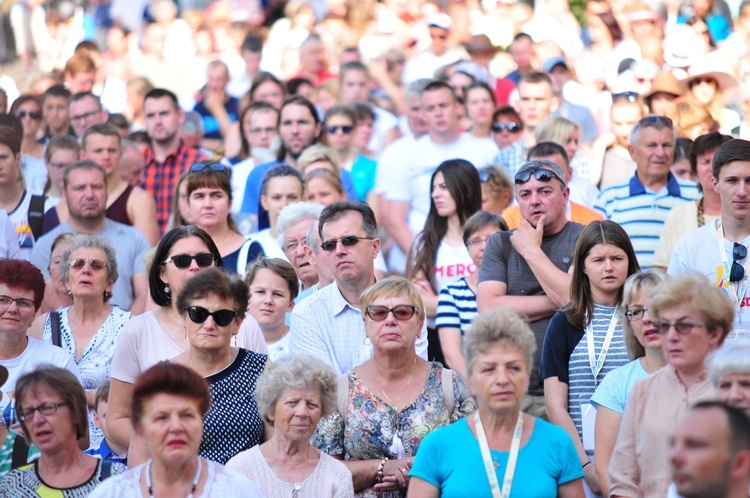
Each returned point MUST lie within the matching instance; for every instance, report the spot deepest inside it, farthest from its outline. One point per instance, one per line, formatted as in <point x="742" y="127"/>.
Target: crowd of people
<point x="378" y="249"/>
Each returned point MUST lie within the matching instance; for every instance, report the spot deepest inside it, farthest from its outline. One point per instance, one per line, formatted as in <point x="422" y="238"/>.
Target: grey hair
<point x="499" y="326"/>
<point x="295" y="371"/>
<point x="416" y="89"/>
<point x="95" y="242"/>
<point x="659" y="124"/>
<point x="294" y="213"/>
<point x="130" y="145"/>
<point x="313" y="239"/>
<point x="193" y="124"/>
<point x="637" y="282"/>
<point x="731" y="358"/>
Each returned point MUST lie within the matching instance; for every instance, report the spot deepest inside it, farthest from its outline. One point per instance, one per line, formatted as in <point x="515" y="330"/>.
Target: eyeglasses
<point x="477" y="241"/>
<point x="36" y="116"/>
<point x="682" y="328"/>
<point x="204" y="260"/>
<point x="541" y="174"/>
<point x="44" y="409"/>
<point x="629" y="96"/>
<point x="510" y="126"/>
<point x="335" y="129"/>
<point x="635" y="314"/>
<point x="214" y="166"/>
<point x="348" y="241"/>
<point x="737" y="271"/>
<point x="22" y="304"/>
<point x="402" y="312"/>
<point x="655" y="120"/>
<point x="95" y="264"/>
<point x="222" y="318"/>
<point x="84" y="117"/>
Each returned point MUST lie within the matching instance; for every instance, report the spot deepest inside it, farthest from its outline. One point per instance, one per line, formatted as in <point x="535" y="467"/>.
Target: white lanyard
<point x="489" y="467"/>
<point x="737" y="295"/>
<point x="598" y="363"/>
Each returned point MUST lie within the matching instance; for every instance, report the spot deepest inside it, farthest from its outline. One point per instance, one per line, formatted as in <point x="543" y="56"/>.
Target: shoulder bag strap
<point x="36" y="215"/>
<point x="448" y="394"/>
<point x="20" y="452"/>
<point x="507" y="246"/>
<point x="242" y="256"/>
<point x="54" y="321"/>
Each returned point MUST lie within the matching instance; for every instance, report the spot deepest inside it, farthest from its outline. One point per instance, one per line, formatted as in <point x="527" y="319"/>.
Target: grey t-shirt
<point x="521" y="281"/>
<point x="130" y="248"/>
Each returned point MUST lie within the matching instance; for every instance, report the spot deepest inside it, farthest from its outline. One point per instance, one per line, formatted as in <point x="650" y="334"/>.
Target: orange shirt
<point x="578" y="213"/>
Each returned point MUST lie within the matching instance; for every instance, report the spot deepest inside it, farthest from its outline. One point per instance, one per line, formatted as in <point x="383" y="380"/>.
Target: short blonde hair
<point x="641" y="281"/>
<point x="318" y="152"/>
<point x="295" y="371"/>
<point x="694" y="292"/>
<point x="391" y="287"/>
<point x="499" y="326"/>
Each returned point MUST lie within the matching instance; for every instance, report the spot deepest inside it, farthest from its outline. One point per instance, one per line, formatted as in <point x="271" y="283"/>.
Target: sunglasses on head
<point x="541" y="174"/>
<point x="737" y="272"/>
<point x="629" y="96"/>
<point x="36" y="116"/>
<point x="655" y="120"/>
<point x="204" y="260"/>
<point x="214" y="166"/>
<point x="332" y="130"/>
<point x="95" y="264"/>
<point x="402" y="312"/>
<point x="511" y="126"/>
<point x="351" y="240"/>
<point x="222" y="318"/>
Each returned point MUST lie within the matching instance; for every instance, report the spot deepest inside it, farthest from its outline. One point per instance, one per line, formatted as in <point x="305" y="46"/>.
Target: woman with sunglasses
<point x="589" y="326"/>
<point x="709" y="88"/>
<point x="212" y="305"/>
<point x="404" y="395"/>
<point x="340" y="125"/>
<point x="209" y="198"/>
<point x="88" y="329"/>
<point x="28" y="110"/>
<point x="159" y="335"/>
<point x="506" y="127"/>
<point x="479" y="102"/>
<point x="693" y="318"/>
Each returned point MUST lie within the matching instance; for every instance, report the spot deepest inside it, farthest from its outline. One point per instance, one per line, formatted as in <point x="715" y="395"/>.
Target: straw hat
<point x="665" y="82"/>
<point x="705" y="69"/>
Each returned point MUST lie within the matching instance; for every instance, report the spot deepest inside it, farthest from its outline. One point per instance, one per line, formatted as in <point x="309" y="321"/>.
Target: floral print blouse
<point x="373" y="429"/>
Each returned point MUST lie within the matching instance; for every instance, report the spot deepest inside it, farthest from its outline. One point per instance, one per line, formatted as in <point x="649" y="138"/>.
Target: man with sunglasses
<point x="698" y="251"/>
<point x="642" y="204"/>
<point x="329" y="324"/>
<point x="85" y="192"/>
<point x="526" y="270"/>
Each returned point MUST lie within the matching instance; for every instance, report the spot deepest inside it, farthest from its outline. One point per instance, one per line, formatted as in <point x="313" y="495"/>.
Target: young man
<point x="55" y="103"/>
<point x="217" y="108"/>
<point x="85" y="110"/>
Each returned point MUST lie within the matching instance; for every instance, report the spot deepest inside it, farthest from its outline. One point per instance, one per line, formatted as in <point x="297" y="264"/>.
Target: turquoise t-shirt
<point x="450" y="459"/>
<point x="363" y="174"/>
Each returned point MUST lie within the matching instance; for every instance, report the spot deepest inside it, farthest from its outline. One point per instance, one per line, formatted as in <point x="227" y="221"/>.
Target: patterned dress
<point x="372" y="429"/>
<point x="25" y="482"/>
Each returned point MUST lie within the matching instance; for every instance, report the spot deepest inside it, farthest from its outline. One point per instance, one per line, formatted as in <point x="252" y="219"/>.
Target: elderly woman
<point x="159" y="335"/>
<point x="499" y="442"/>
<point x="644" y="349"/>
<point x="295" y="392"/>
<point x="730" y="374"/>
<point x="389" y="403"/>
<point x="169" y="403"/>
<point x="213" y="307"/>
<point x="88" y="329"/>
<point x="693" y="317"/>
<point x="21" y="293"/>
<point x="51" y="407"/>
<point x="58" y="296"/>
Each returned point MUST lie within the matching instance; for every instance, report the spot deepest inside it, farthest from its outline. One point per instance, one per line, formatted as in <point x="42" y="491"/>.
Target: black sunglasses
<point x="214" y="166"/>
<point x="351" y="240"/>
<point x="344" y="129"/>
<point x="541" y="174"/>
<point x="629" y="96"/>
<point x="36" y="116"/>
<point x="511" y="126"/>
<point x="204" y="260"/>
<point x="222" y="318"/>
<point x="737" y="272"/>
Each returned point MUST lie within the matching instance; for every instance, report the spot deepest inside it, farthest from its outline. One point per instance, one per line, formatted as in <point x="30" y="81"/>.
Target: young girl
<point x="282" y="185"/>
<point x="274" y="286"/>
<point x="587" y="327"/>
<point x="438" y="256"/>
<point x="28" y="110"/>
<point x="322" y="186"/>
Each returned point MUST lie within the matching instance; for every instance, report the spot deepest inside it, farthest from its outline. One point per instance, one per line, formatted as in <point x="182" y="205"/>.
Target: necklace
<point x="192" y="490"/>
<point x="380" y="384"/>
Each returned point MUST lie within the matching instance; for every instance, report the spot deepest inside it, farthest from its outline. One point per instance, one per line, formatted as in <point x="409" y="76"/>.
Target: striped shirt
<point x="457" y="306"/>
<point x="642" y="212"/>
<point x="512" y="156"/>
<point x="161" y="178"/>
<point x="6" y="454"/>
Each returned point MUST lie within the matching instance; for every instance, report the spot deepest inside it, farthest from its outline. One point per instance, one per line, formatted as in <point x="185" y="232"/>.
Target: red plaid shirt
<point x="161" y="179"/>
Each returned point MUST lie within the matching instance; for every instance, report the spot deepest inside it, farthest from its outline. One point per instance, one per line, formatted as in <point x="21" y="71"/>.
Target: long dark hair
<point x="462" y="180"/>
<point x="580" y="309"/>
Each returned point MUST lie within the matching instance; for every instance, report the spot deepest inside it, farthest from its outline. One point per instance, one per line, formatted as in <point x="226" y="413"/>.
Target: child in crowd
<point x="108" y="449"/>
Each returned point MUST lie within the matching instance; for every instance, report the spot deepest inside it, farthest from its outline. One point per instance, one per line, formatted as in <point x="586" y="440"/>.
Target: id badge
<point x="588" y="422"/>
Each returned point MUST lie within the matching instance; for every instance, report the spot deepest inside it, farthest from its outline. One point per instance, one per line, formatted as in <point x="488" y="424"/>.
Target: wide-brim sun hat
<point x="665" y="82"/>
<point x="683" y="46"/>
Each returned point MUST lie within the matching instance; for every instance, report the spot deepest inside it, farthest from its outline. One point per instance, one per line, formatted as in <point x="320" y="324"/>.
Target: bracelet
<point x="379" y="476"/>
<point x="584" y="465"/>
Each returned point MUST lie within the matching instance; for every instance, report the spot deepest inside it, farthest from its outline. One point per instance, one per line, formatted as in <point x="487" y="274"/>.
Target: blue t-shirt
<point x="363" y="173"/>
<point x="545" y="462"/>
<point x="210" y="123"/>
<point x="615" y="388"/>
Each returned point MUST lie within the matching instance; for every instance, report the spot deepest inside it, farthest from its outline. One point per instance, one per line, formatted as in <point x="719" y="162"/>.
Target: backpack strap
<point x="20" y="452"/>
<point x="448" y="394"/>
<point x="106" y="470"/>
<point x="54" y="321"/>
<point x="243" y="255"/>
<point x="507" y="246"/>
<point x="343" y="394"/>
<point x="36" y="215"/>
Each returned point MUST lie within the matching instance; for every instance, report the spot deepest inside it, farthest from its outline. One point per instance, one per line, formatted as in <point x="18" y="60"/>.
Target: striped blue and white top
<point x="642" y="212"/>
<point x="457" y="306"/>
